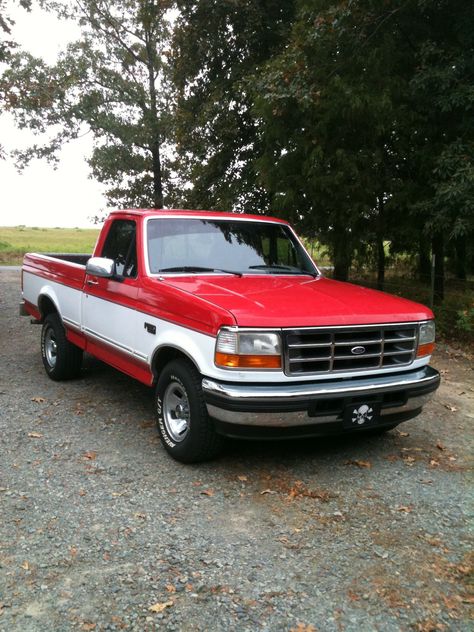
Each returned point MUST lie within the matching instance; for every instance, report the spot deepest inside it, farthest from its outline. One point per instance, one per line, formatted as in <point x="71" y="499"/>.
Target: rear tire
<point x="61" y="359"/>
<point x="187" y="432"/>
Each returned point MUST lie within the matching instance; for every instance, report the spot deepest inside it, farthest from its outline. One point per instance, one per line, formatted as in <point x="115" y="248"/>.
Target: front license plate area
<point x="361" y="415"/>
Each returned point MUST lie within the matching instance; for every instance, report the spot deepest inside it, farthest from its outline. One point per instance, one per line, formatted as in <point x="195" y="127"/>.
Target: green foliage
<point x="362" y="116"/>
<point x="112" y="83"/>
<point x="216" y="46"/>
<point x="465" y="320"/>
<point x="7" y="45"/>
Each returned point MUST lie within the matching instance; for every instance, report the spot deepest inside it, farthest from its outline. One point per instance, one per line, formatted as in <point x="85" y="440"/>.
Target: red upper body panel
<point x="289" y="301"/>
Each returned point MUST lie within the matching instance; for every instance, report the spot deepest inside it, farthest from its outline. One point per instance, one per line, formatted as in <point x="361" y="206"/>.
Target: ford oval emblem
<point x="359" y="350"/>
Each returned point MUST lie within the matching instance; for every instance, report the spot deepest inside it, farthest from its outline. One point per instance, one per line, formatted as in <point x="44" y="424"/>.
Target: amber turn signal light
<point x="234" y="361"/>
<point x="425" y="350"/>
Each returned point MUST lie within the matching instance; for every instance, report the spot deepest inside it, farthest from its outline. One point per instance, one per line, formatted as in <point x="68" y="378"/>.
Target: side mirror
<point x="100" y="267"/>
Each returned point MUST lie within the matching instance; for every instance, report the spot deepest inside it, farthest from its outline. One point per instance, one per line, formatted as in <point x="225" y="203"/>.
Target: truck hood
<point x="296" y="301"/>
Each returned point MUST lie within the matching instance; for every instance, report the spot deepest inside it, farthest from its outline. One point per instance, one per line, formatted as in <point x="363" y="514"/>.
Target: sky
<point x="42" y="195"/>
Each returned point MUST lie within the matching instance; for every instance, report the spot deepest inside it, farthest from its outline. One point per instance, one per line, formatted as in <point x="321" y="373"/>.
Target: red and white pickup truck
<point x="227" y="316"/>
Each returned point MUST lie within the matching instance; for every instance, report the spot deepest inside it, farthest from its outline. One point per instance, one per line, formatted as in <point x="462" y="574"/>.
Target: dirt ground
<point x="101" y="530"/>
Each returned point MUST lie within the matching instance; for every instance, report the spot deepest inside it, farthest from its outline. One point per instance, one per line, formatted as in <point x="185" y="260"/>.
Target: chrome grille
<point x="335" y="350"/>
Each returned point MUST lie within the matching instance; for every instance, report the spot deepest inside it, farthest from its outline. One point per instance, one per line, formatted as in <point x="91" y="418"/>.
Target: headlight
<point x="426" y="339"/>
<point x="251" y="350"/>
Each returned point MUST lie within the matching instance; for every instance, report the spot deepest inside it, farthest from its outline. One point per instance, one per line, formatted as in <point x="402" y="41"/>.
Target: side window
<point x="120" y="245"/>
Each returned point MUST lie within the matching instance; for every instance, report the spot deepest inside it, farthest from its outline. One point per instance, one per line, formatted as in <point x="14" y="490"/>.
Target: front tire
<point x="185" y="428"/>
<point x="61" y="359"/>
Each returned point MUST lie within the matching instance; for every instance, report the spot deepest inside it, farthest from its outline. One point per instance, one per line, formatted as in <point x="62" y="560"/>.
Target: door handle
<point x="91" y="282"/>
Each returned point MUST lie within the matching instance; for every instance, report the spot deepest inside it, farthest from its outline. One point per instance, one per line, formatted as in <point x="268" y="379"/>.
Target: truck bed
<point x="68" y="269"/>
<point x="72" y="257"/>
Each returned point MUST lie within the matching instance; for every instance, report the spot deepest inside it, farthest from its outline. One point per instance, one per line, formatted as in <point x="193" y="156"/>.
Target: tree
<point x="330" y="109"/>
<point x="7" y="46"/>
<point x="359" y="115"/>
<point x="442" y="89"/>
<point x="216" y="46"/>
<point x="112" y="82"/>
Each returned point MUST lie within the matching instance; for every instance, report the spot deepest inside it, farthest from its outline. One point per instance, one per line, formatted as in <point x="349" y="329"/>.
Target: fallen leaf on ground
<point x="38" y="400"/>
<point x="91" y="456"/>
<point x="434" y="463"/>
<point x="159" y="607"/>
<point x="403" y="434"/>
<point x="359" y="463"/>
<point x="207" y="492"/>
<point x="73" y="551"/>
<point x="440" y="446"/>
<point x="25" y="566"/>
<point x="35" y="435"/>
<point x="353" y="596"/>
<point x="405" y="508"/>
<point x="82" y="492"/>
<point x="242" y="478"/>
<point x="88" y="626"/>
<point x="453" y="409"/>
<point x="429" y="626"/>
<point x="170" y="588"/>
<point x="267" y="491"/>
<point x="139" y="516"/>
<point x="302" y="627"/>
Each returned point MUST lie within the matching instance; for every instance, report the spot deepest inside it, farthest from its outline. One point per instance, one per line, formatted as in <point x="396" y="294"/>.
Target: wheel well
<point x="46" y="306"/>
<point x="165" y="355"/>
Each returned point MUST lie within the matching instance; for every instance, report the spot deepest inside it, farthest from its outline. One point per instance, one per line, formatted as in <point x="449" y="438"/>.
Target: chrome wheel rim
<point x="50" y="348"/>
<point x="176" y="413"/>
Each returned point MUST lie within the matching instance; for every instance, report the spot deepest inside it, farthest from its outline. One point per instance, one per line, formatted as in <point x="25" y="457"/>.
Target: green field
<point x="16" y="240"/>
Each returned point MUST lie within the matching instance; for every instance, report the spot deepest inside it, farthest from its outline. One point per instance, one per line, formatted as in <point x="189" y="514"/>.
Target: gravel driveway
<point x="101" y="530"/>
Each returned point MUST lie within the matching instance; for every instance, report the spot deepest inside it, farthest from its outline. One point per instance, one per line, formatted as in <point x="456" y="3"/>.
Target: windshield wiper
<point x="286" y="269"/>
<point x="197" y="269"/>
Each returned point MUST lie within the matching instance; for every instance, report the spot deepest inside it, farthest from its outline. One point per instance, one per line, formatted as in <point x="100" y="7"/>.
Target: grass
<point x="15" y="241"/>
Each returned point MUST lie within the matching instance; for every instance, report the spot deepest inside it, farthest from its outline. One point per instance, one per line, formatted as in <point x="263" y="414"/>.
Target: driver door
<point x="108" y="305"/>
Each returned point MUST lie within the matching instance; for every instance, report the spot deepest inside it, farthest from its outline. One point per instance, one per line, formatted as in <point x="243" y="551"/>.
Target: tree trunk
<point x="461" y="258"/>
<point x="158" y="201"/>
<point x="342" y="258"/>
<point x="424" y="263"/>
<point x="438" y="251"/>
<point x="155" y="140"/>
<point x="380" y="244"/>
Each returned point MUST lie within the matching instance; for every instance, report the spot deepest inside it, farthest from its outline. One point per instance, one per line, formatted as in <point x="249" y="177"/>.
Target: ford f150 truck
<point x="227" y="316"/>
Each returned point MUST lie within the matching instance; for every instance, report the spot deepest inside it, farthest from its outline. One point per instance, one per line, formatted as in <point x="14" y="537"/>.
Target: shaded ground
<point x="101" y="530"/>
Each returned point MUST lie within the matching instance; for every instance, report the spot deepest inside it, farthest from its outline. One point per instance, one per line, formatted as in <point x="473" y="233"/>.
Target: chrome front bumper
<point x="401" y="396"/>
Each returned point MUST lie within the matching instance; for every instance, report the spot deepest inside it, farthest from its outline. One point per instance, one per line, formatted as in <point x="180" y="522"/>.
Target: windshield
<point x="230" y="246"/>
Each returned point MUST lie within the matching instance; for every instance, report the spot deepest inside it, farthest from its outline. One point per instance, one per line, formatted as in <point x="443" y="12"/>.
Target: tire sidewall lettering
<point x="159" y="410"/>
<point x="47" y="365"/>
